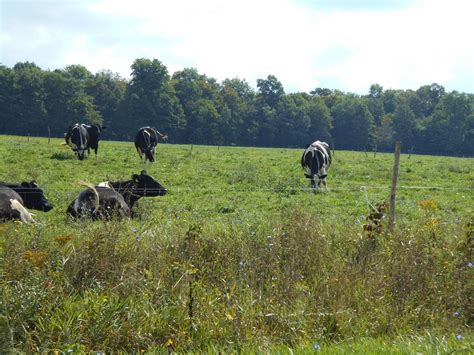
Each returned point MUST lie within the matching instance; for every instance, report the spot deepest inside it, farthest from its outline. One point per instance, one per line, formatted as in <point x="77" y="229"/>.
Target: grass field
<point x="240" y="255"/>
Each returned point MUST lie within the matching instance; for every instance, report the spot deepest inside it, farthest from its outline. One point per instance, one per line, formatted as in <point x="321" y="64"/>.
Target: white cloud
<point x="303" y="46"/>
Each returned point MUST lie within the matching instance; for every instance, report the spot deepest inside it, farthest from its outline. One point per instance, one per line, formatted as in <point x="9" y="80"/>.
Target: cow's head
<point x="145" y="185"/>
<point x="34" y="197"/>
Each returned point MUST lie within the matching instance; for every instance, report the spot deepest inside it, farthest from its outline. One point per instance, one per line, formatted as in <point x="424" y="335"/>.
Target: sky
<point x="338" y="44"/>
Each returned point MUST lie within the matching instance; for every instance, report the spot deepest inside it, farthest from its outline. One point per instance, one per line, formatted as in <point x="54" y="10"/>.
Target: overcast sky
<point x="338" y="44"/>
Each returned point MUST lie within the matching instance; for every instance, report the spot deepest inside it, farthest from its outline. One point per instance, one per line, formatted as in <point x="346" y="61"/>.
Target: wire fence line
<point x="289" y="188"/>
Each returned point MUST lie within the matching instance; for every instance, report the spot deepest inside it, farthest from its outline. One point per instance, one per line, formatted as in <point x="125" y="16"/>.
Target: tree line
<point x="194" y="108"/>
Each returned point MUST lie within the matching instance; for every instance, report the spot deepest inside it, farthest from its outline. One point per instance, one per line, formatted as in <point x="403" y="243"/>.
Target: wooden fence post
<point x="393" y="192"/>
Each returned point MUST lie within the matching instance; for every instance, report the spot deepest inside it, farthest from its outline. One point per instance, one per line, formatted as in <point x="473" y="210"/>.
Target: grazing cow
<point x="15" y="198"/>
<point x="77" y="137"/>
<point x="315" y="161"/>
<point x="83" y="136"/>
<point x="94" y="132"/>
<point x="146" y="140"/>
<point x="111" y="199"/>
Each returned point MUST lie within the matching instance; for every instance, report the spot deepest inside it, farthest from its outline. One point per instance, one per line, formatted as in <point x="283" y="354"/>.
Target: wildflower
<point x="428" y="204"/>
<point x="469" y="264"/>
<point x="36" y="258"/>
<point x="62" y="239"/>
<point x="134" y="230"/>
<point x="229" y="316"/>
<point x="459" y="337"/>
<point x="317" y="347"/>
<point x="456" y="314"/>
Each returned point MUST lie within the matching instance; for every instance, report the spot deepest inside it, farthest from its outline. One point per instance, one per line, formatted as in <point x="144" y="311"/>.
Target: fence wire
<point x="363" y="189"/>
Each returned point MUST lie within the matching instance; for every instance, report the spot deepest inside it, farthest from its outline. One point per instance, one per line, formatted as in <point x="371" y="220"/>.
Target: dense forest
<point x="194" y="108"/>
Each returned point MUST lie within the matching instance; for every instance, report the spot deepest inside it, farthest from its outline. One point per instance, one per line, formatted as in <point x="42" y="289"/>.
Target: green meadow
<point x="240" y="255"/>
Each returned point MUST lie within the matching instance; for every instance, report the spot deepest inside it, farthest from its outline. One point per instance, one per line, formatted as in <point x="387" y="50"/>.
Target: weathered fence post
<point x="49" y="135"/>
<point x="393" y="192"/>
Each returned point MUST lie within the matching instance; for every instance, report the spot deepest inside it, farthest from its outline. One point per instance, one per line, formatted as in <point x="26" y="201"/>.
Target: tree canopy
<point x="192" y="107"/>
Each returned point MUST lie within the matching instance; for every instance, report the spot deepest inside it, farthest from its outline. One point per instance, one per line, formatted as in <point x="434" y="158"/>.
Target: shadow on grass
<point x="62" y="156"/>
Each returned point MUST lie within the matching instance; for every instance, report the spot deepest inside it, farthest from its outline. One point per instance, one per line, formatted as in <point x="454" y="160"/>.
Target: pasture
<point x="240" y="255"/>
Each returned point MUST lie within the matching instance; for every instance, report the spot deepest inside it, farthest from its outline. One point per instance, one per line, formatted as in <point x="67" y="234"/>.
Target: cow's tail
<point x="96" y="194"/>
<point x="164" y="137"/>
<point x="149" y="155"/>
<point x="25" y="216"/>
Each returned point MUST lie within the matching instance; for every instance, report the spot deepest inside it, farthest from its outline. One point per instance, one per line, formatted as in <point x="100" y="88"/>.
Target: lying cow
<point x="114" y="199"/>
<point x="146" y="140"/>
<point x="16" y="198"/>
<point x="82" y="137"/>
<point x="315" y="161"/>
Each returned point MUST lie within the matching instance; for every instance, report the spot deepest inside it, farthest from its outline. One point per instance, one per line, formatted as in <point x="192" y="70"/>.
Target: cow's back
<point x="6" y="210"/>
<point x="316" y="157"/>
<point x="110" y="204"/>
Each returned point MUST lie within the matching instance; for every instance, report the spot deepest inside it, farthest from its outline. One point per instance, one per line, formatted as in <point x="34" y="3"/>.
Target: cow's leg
<point x="140" y="153"/>
<point x="324" y="182"/>
<point x="313" y="183"/>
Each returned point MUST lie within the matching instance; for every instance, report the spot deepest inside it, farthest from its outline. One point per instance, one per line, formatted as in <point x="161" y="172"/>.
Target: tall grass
<point x="292" y="282"/>
<point x="208" y="268"/>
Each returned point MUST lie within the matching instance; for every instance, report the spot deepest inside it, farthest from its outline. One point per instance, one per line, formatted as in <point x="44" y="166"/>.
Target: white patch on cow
<point x="25" y="216"/>
<point x="147" y="139"/>
<point x="105" y="184"/>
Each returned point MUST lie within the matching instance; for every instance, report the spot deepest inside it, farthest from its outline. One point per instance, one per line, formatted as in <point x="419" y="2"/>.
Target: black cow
<point x="77" y="137"/>
<point x="111" y="199"/>
<point x="15" y="198"/>
<point x="315" y="161"/>
<point x="146" y="140"/>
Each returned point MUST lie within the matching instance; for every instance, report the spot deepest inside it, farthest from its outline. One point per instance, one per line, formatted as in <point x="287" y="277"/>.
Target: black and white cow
<point x="15" y="198"/>
<point x="81" y="137"/>
<point x="315" y="161"/>
<point x="114" y="199"/>
<point x="77" y="137"/>
<point x="146" y="140"/>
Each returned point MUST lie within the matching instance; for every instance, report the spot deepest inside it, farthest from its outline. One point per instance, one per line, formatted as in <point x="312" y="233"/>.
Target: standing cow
<point x="15" y="198"/>
<point x="315" y="161"/>
<point x="146" y="140"/>
<point x="77" y="137"/>
<point x="81" y="137"/>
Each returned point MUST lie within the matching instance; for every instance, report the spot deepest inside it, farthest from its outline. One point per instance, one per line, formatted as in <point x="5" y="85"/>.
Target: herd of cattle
<point x="116" y="199"/>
